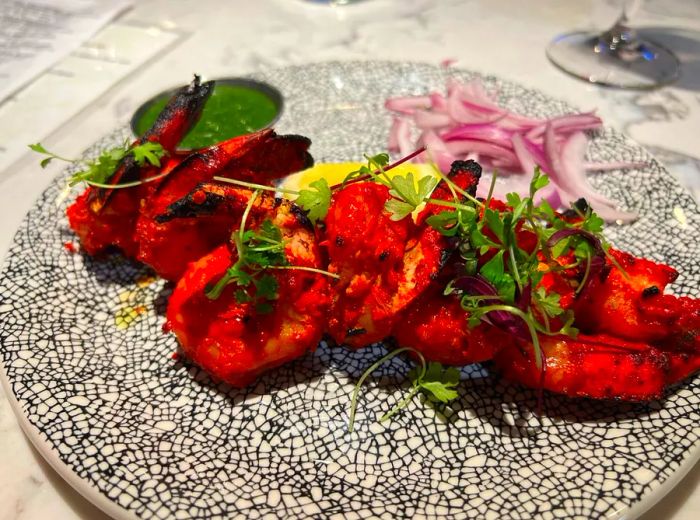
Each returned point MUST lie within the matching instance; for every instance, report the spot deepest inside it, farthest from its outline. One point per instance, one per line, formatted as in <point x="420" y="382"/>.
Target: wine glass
<point x="618" y="57"/>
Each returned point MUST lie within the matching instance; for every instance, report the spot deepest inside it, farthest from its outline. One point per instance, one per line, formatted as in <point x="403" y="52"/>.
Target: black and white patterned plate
<point x="90" y="372"/>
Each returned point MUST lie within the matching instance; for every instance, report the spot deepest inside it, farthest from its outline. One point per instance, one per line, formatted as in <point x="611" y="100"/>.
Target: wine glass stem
<point x="620" y="40"/>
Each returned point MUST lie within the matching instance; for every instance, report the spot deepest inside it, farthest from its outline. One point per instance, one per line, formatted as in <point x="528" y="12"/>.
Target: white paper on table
<point x="35" y="34"/>
<point x="74" y="83"/>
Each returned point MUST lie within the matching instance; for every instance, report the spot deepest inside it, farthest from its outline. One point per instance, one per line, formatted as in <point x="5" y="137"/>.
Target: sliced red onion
<point x="574" y="174"/>
<point x="469" y="121"/>
<point x="538" y="153"/>
<point x="429" y="119"/>
<point x="475" y="285"/>
<point x="482" y="109"/>
<point x="464" y="146"/>
<point x="478" y="286"/>
<point x="528" y="164"/>
<point x="438" y="102"/>
<point x="474" y="92"/>
<point x="526" y="159"/>
<point x="437" y="151"/>
<point x="407" y="105"/>
<point x="504" y="185"/>
<point x="464" y="112"/>
<point x="524" y="298"/>
<point x="611" y="214"/>
<point x="505" y="165"/>
<point x="567" y="167"/>
<point x="400" y="136"/>
<point x="480" y="131"/>
<point x="393" y="144"/>
<point x="457" y="111"/>
<point x="472" y="99"/>
<point x="567" y="123"/>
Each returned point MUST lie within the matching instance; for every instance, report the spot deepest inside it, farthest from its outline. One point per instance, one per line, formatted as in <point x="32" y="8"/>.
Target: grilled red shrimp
<point x="104" y="218"/>
<point x="383" y="264"/>
<point x="233" y="340"/>
<point x="167" y="239"/>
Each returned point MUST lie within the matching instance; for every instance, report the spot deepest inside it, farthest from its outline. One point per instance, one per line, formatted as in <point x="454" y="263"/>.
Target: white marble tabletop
<point x="501" y="37"/>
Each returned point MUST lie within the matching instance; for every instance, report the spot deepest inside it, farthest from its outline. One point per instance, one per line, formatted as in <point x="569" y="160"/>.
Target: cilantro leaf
<point x="583" y="249"/>
<point x="99" y="170"/>
<point x="537" y="182"/>
<point x="445" y="222"/>
<point x="494" y="268"/>
<point x="453" y="222"/>
<point x="375" y="165"/>
<point x="561" y="246"/>
<point x="406" y="196"/>
<point x="513" y="199"/>
<point x="258" y="249"/>
<point x="549" y="303"/>
<point x="404" y="188"/>
<point x="315" y="200"/>
<point x="593" y="223"/>
<point x="266" y="287"/>
<point x="437" y="383"/>
<point x="398" y="209"/>
<point x="494" y="222"/>
<point x="439" y="391"/>
<point x="494" y="272"/>
<point x="545" y="211"/>
<point x="381" y="160"/>
<point x="148" y="151"/>
<point x="481" y="241"/>
<point x="39" y="148"/>
<point x="519" y="209"/>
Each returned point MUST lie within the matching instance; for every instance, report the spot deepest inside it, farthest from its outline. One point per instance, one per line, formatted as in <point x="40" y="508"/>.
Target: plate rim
<point x="50" y="455"/>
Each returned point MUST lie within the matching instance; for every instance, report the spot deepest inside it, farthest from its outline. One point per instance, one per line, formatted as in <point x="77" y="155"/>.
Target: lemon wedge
<point x="335" y="173"/>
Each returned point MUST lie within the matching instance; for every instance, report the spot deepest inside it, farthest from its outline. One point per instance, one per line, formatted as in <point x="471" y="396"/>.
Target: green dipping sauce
<point x="231" y="110"/>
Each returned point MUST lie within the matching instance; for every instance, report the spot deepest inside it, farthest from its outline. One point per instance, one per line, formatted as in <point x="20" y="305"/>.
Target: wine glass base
<point x="581" y="54"/>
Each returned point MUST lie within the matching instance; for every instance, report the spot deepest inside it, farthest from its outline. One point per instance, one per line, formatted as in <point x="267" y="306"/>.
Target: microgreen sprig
<point x="257" y="251"/>
<point x="315" y="200"/>
<point x="490" y="247"/>
<point x="406" y="193"/>
<point x="435" y="382"/>
<point x="98" y="171"/>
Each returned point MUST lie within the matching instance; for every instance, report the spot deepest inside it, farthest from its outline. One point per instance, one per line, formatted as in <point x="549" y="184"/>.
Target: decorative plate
<point x="142" y="435"/>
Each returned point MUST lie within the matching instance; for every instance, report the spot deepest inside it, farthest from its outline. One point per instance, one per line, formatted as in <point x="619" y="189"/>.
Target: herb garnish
<point x="407" y="192"/>
<point x="435" y="382"/>
<point x="500" y="283"/>
<point x="257" y="251"/>
<point x="315" y="200"/>
<point x="517" y="303"/>
<point x="405" y="196"/>
<point x="98" y="171"/>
